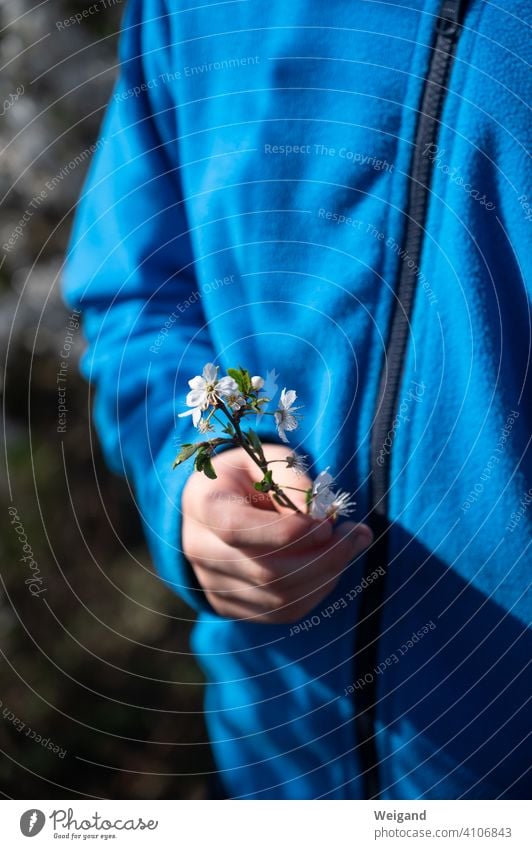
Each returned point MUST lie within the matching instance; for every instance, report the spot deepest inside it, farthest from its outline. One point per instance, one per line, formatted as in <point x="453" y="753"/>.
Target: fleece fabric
<point x="246" y="205"/>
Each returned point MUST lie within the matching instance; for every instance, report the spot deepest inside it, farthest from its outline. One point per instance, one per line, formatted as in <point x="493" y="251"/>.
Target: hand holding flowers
<point x="227" y="401"/>
<point x="262" y="546"/>
<point x="254" y="559"/>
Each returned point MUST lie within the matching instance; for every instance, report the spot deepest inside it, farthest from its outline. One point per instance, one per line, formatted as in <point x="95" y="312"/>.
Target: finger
<point x="314" y="577"/>
<point x="211" y="553"/>
<point x="305" y="568"/>
<point x="245" y="526"/>
<point x="240" y="469"/>
<point x="229" y="609"/>
<point x="240" y="514"/>
<point x="236" y="599"/>
<point x="278" y="572"/>
<point x="348" y="541"/>
<point x="206" y="548"/>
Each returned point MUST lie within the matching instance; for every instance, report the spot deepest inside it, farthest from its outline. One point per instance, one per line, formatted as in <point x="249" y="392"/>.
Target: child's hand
<point x="254" y="559"/>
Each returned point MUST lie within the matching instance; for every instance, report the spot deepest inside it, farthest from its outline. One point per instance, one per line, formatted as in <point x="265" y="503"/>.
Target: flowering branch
<point x="236" y="396"/>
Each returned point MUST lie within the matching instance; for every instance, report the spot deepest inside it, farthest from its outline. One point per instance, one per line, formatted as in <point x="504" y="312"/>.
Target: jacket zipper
<point x="445" y="39"/>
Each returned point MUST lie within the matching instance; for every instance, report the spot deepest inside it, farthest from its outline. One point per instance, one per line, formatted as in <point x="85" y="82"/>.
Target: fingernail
<point x="358" y="534"/>
<point x="363" y="535"/>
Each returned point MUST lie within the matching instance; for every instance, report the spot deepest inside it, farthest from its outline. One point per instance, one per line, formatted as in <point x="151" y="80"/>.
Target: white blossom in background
<point x="269" y="391"/>
<point x="235" y="400"/>
<point x="205" y="426"/>
<point x="285" y="418"/>
<point x="297" y="462"/>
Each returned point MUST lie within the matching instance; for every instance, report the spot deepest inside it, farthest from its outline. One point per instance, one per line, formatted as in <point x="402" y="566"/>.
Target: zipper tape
<point x="446" y="33"/>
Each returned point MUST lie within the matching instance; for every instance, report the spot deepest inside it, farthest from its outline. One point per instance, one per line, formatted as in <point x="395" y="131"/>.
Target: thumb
<point x="357" y="536"/>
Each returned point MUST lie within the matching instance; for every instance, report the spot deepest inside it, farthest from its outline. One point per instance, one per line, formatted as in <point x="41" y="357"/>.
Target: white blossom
<point x="326" y="503"/>
<point x="235" y="401"/>
<point x="342" y="504"/>
<point x="206" y="391"/>
<point x="205" y="426"/>
<point x="297" y="462"/>
<point x="284" y="415"/>
<point x="322" y="495"/>
<point x="257" y="382"/>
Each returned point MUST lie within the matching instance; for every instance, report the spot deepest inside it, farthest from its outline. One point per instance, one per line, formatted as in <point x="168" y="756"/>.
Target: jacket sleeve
<point x="129" y="270"/>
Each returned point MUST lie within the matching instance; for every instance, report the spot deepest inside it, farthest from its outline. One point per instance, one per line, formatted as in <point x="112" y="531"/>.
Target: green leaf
<point x="266" y="483"/>
<point x="308" y="497"/>
<point x="203" y="461"/>
<point x="229" y="429"/>
<point x="246" y="380"/>
<point x="255" y="442"/>
<point x="242" y="378"/>
<point x="187" y="451"/>
<point x="200" y="459"/>
<point x="237" y="376"/>
<point x="208" y="469"/>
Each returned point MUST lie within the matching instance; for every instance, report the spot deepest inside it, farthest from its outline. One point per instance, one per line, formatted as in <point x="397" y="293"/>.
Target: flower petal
<point x="288" y="397"/>
<point x="210" y="372"/>
<point x="317" y="511"/>
<point x="279" y="421"/>
<point x="196" y="398"/>
<point x="226" y="386"/>
<point x="290" y="422"/>
<point x="323" y="483"/>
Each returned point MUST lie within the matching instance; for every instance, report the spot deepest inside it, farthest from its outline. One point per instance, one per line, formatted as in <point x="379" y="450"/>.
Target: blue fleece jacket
<point x="246" y="205"/>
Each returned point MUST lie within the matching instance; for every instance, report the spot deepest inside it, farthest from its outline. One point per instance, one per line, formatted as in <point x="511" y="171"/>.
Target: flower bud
<point x="257" y="382"/>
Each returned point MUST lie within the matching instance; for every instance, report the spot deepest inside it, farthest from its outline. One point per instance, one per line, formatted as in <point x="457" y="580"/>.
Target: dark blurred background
<point x="99" y="695"/>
